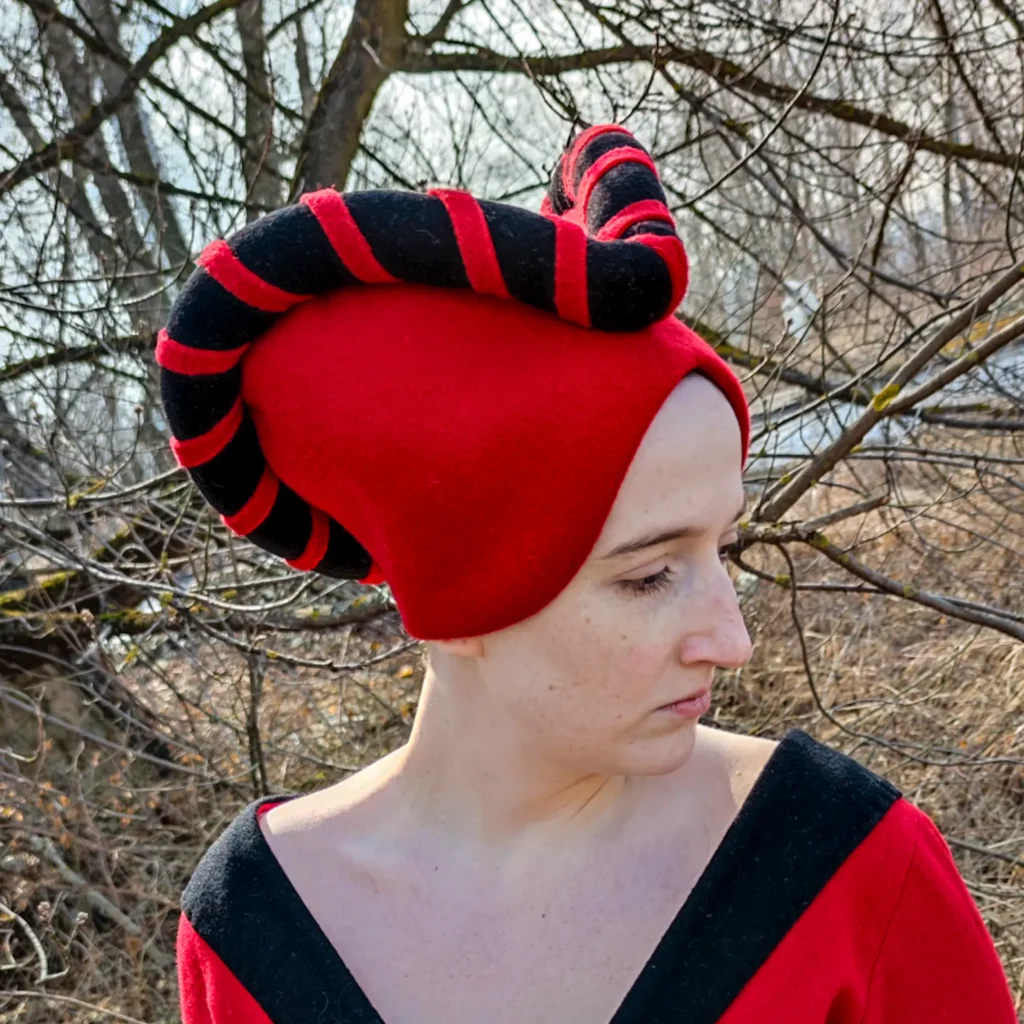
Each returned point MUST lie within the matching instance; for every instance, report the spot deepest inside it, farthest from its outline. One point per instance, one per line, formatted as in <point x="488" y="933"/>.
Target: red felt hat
<point x="436" y="391"/>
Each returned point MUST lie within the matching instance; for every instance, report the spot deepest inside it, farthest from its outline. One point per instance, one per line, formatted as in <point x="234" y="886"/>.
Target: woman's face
<point x="582" y="681"/>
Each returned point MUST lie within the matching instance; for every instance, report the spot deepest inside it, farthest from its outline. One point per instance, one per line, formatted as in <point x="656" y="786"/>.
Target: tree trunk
<point x="135" y="140"/>
<point x="372" y="49"/>
<point x="259" y="156"/>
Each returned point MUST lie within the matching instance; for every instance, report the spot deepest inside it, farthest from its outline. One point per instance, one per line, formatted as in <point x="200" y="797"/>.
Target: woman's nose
<point x="716" y="632"/>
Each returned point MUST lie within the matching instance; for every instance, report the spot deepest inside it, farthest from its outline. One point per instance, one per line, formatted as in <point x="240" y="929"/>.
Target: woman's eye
<point x="649" y="584"/>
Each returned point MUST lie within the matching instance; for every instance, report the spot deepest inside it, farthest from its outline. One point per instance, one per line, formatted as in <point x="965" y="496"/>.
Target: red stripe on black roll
<point x="635" y="213"/>
<point x="571" y="272"/>
<point x="194" y="362"/>
<point x="343" y="233"/>
<point x="476" y="247"/>
<point x="671" y="249"/>
<point x="257" y="508"/>
<point x="375" y="576"/>
<point x="234" y="276"/>
<point x="316" y="546"/>
<point x="194" y="451"/>
<point x="603" y="164"/>
<point x="579" y="144"/>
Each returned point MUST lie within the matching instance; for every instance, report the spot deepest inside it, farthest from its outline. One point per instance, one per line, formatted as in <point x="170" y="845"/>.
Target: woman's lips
<point x="694" y="707"/>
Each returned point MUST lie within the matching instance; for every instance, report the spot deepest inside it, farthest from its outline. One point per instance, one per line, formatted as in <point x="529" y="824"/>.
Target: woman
<point x="545" y="466"/>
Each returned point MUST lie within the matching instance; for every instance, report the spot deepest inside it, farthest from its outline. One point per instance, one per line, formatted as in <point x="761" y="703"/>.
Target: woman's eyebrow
<point x="660" y="536"/>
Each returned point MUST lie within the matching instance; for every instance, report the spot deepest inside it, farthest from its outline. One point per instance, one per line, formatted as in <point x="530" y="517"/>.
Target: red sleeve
<point x="209" y="993"/>
<point x="937" y="961"/>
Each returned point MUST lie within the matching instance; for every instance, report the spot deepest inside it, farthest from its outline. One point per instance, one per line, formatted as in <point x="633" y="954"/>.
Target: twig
<point x="9" y="697"/>
<point x="965" y="844"/>
<point x="993" y="618"/>
<point x="45" y="849"/>
<point x="91" y="1007"/>
<point x="882" y="405"/>
<point x="44" y="968"/>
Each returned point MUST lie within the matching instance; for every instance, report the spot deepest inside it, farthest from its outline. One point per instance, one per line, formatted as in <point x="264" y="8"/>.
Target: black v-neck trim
<point x="808" y="810"/>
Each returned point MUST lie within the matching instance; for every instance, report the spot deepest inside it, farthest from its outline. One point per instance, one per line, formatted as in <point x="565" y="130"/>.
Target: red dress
<point x="830" y="900"/>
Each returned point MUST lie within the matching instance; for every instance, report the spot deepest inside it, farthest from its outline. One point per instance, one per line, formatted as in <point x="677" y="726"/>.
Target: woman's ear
<point x="463" y="647"/>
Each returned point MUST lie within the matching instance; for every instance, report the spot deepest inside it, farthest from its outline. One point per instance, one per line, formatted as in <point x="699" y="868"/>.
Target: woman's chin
<point x="661" y="755"/>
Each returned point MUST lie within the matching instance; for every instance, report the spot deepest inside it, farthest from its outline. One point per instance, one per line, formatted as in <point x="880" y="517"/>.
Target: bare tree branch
<point x="69" y="144"/>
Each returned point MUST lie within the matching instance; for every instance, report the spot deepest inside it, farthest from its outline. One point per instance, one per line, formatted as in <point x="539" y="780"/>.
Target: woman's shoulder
<point x="810" y="767"/>
<point x="848" y="831"/>
<point x="811" y="761"/>
<point x="837" y="801"/>
<point x="236" y="861"/>
<point x="238" y="917"/>
<point x="806" y="791"/>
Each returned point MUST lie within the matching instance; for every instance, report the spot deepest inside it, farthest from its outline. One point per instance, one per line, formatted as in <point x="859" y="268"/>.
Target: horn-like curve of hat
<point x="603" y="255"/>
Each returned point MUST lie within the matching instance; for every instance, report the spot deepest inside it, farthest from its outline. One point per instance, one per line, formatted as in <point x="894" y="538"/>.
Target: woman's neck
<point x="466" y="781"/>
